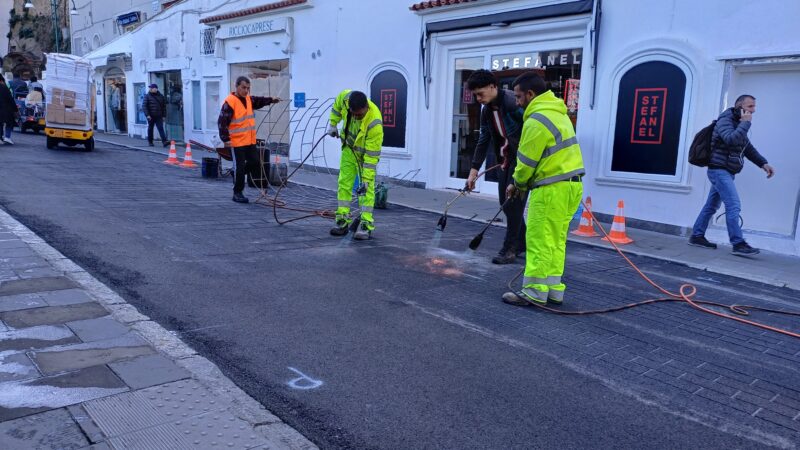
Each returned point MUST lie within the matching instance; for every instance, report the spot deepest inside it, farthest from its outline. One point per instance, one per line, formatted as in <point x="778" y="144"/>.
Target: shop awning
<point x="118" y="50"/>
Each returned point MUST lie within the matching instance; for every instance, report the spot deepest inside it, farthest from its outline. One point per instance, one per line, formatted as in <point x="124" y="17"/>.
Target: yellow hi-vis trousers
<point x="348" y="170"/>
<point x="550" y="210"/>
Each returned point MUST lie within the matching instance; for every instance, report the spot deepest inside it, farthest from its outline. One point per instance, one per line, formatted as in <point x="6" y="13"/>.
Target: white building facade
<point x="639" y="80"/>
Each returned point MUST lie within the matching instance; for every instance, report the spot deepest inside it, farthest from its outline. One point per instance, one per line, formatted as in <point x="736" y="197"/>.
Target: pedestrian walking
<point x="362" y="140"/>
<point x="500" y="124"/>
<point x="8" y="111"/>
<point x="550" y="165"/>
<point x="729" y="146"/>
<point x="237" y="130"/>
<point x="155" y="108"/>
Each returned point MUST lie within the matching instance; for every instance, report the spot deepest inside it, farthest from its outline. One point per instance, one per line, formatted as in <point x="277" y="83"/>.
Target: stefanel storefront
<point x="548" y="40"/>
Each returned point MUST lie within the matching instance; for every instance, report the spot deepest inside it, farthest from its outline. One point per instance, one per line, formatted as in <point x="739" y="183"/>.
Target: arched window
<point x="650" y="106"/>
<point x="389" y="90"/>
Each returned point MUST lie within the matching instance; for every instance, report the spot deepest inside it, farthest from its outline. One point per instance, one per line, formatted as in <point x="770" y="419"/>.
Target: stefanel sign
<point x="649" y="119"/>
<point x="389" y="91"/>
<point x="648" y="115"/>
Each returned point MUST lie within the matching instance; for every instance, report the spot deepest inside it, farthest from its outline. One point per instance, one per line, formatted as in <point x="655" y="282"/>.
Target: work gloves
<point x="332" y="131"/>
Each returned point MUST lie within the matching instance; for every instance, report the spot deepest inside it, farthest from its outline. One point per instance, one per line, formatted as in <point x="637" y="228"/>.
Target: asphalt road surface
<point x="402" y="341"/>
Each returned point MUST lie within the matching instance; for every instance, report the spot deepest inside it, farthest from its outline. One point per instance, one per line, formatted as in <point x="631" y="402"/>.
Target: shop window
<point x="161" y="48"/>
<point x="213" y="104"/>
<point x="139" y="92"/>
<point x="649" y="119"/>
<point x="197" y="112"/>
<point x="389" y="90"/>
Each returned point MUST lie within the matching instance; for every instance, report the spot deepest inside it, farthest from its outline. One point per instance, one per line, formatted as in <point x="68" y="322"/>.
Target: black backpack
<point x="700" y="150"/>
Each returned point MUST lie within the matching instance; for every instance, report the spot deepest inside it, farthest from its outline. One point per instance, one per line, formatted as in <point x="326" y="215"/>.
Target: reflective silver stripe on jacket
<point x="527" y="161"/>
<point x="243" y="118"/>
<point x="551" y="127"/>
<point x="374" y="123"/>
<point x="370" y="166"/>
<point x="373" y="153"/>
<point x="557" y="178"/>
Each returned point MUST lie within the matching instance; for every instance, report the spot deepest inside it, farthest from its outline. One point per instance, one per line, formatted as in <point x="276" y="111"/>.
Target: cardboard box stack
<point x="68" y="92"/>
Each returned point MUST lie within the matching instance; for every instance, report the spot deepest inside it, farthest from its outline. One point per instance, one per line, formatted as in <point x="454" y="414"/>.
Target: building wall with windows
<point x="638" y="83"/>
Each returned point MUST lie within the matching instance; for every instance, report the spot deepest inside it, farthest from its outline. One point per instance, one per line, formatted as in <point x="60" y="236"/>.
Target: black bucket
<point x="210" y="168"/>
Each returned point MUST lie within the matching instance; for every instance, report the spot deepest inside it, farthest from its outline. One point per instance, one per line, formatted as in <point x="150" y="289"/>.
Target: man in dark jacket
<point x="729" y="146"/>
<point x="501" y="124"/>
<point x="155" y="108"/>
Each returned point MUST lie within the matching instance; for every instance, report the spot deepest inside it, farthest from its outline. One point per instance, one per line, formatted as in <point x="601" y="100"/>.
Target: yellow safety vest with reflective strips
<point x="548" y="149"/>
<point x="368" y="139"/>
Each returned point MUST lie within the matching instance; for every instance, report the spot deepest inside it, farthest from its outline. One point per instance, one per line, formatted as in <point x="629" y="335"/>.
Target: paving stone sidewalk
<point x="81" y="368"/>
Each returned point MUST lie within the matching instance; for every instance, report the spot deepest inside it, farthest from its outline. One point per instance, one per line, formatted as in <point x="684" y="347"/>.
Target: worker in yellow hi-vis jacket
<point x="550" y="165"/>
<point x="362" y="138"/>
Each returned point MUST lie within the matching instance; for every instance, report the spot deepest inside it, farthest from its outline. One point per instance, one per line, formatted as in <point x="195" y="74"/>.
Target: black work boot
<point x="504" y="256"/>
<point x="340" y="229"/>
<point x="744" y="249"/>
<point x="238" y="197"/>
<point x="701" y="241"/>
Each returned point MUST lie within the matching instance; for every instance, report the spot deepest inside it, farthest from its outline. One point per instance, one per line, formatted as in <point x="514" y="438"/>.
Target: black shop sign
<point x="649" y="119"/>
<point x="389" y="91"/>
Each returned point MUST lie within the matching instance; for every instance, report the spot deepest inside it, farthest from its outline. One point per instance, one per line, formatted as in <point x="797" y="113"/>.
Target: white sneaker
<point x="7" y="140"/>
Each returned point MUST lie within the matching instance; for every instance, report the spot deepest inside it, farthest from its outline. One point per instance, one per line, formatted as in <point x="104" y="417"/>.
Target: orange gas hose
<point x="686" y="293"/>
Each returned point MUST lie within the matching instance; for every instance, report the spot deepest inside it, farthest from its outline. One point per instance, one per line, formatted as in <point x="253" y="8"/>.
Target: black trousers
<point x="158" y="122"/>
<point x="514" y="210"/>
<point x="245" y="160"/>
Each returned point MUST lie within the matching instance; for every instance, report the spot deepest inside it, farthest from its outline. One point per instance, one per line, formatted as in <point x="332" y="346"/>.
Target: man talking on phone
<point x="729" y="146"/>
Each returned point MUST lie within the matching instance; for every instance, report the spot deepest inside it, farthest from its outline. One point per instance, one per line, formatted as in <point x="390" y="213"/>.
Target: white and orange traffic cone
<point x="617" y="234"/>
<point x="586" y="226"/>
<point x="173" y="155"/>
<point x="187" y="158"/>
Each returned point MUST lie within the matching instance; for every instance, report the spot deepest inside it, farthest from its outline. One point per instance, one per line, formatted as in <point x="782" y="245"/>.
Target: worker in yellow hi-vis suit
<point x="362" y="138"/>
<point x="550" y="165"/>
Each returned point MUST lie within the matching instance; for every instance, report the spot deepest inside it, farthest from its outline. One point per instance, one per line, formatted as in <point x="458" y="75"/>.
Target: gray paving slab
<point x="65" y="297"/>
<point x="150" y="370"/>
<point x="36" y="337"/>
<point x="52" y="315"/>
<point x="8" y="275"/>
<point x="16" y="366"/>
<point x="48" y="430"/>
<point x="98" y="329"/>
<point x="11" y="243"/>
<point x="37" y="272"/>
<point x="23" y="398"/>
<point x="22" y="262"/>
<point x="72" y="357"/>
<point x="20" y="301"/>
<point x="32" y="285"/>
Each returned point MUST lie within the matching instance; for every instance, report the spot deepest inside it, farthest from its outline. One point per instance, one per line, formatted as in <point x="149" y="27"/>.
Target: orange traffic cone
<point x="187" y="158"/>
<point x="617" y="234"/>
<point x="586" y="227"/>
<point x="173" y="155"/>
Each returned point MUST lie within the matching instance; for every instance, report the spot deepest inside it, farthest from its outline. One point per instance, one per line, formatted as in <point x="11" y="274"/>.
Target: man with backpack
<point x="729" y="146"/>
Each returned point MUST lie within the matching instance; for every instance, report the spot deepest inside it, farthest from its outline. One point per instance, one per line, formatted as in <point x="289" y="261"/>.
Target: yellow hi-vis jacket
<point x="548" y="149"/>
<point x="243" y="123"/>
<point x="368" y="139"/>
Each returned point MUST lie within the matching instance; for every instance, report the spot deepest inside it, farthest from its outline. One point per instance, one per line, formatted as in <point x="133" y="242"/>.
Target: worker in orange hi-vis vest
<point x="237" y="130"/>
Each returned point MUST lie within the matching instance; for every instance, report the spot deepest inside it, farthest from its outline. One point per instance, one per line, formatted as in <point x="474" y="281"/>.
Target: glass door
<point x="466" y="122"/>
<point x="115" y="102"/>
<point x="171" y="86"/>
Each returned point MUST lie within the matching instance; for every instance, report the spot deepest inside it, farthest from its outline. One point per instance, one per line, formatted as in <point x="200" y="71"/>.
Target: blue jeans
<point x="7" y="132"/>
<point x="723" y="190"/>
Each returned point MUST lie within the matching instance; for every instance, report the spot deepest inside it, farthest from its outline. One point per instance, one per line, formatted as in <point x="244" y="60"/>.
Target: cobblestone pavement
<point x="402" y="340"/>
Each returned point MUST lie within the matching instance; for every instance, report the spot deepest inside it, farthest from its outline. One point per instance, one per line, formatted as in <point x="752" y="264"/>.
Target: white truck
<point x="69" y="94"/>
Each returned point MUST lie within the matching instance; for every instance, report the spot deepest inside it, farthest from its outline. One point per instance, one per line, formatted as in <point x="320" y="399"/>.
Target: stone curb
<point x="201" y="369"/>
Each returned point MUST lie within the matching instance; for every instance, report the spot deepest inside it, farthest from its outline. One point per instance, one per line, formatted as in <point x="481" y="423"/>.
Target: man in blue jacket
<point x="729" y="146"/>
